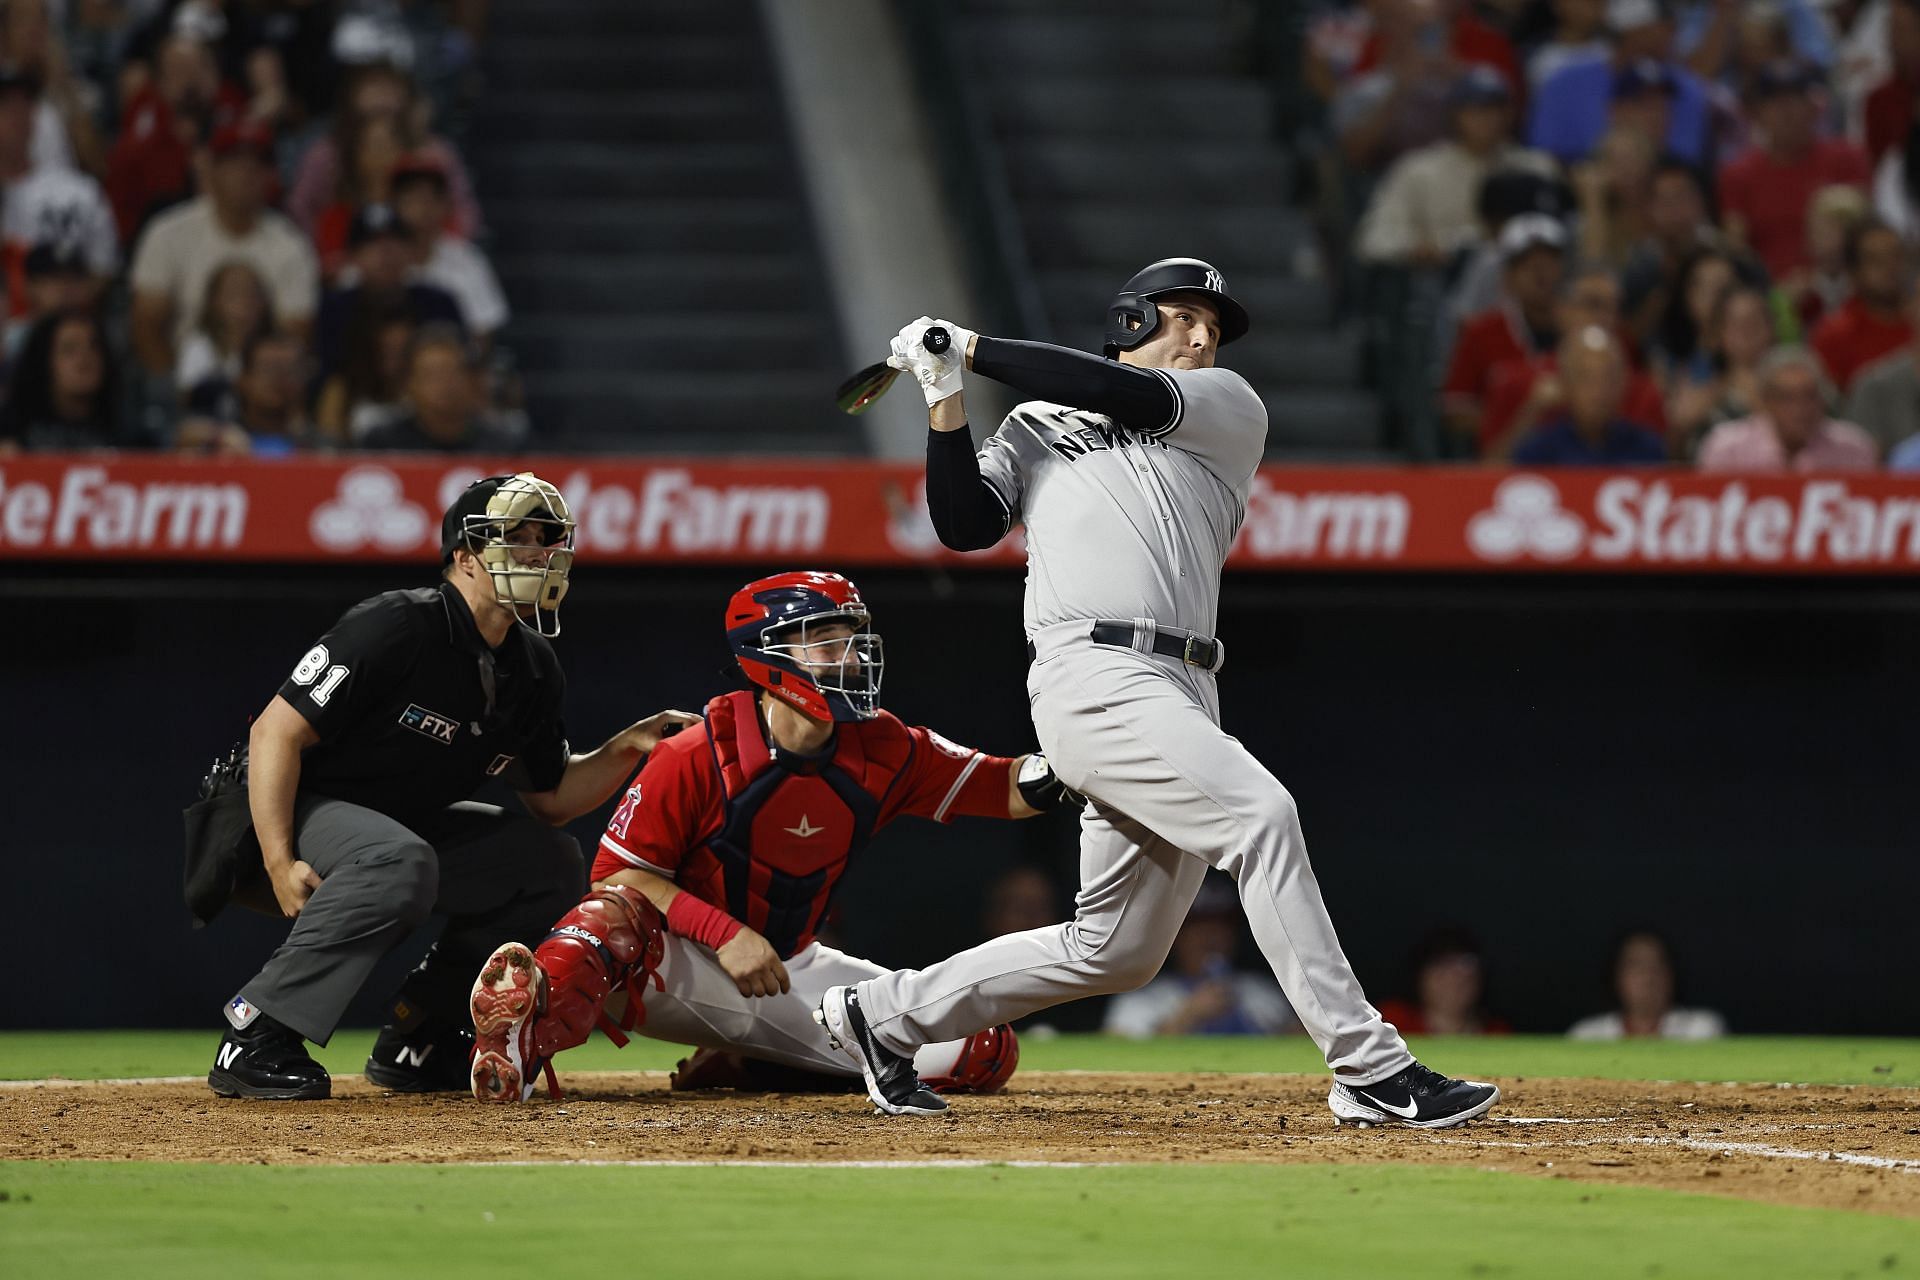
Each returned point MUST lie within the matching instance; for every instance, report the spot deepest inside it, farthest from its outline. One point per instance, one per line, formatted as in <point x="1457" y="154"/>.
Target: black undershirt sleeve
<point x="966" y="512"/>
<point x="1134" y="398"/>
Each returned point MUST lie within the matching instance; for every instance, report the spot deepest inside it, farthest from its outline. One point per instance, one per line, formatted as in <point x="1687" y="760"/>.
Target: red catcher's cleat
<point x="505" y="998"/>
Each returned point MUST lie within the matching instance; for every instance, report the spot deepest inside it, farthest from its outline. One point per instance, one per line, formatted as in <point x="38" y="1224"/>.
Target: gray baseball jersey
<point x="1136" y="525"/>
<point x="1130" y="524"/>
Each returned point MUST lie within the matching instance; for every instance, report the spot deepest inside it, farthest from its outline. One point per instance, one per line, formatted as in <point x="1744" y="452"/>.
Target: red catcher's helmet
<point x="770" y="626"/>
<point x="983" y="1063"/>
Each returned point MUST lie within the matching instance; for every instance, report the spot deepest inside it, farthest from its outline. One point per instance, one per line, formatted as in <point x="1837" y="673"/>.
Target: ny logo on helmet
<point x="1216" y="281"/>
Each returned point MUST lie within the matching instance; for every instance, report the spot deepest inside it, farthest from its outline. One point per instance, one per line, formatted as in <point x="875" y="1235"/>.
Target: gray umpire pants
<point x="1170" y="794"/>
<point x="497" y="876"/>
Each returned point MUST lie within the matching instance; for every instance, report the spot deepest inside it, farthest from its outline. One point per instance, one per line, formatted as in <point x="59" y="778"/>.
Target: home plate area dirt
<point x="1852" y="1148"/>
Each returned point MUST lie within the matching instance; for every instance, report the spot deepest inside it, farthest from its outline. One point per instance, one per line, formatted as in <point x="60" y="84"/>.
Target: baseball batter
<point x="1131" y="475"/>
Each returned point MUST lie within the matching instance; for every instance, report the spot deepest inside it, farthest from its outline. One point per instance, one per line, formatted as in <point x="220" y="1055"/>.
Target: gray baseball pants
<point x="1170" y="794"/>
<point x="497" y="876"/>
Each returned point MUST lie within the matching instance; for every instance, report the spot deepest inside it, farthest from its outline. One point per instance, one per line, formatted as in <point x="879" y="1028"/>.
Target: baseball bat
<point x="868" y="385"/>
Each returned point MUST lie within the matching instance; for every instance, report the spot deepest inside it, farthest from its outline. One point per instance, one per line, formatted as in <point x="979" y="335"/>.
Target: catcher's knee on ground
<point x="612" y="941"/>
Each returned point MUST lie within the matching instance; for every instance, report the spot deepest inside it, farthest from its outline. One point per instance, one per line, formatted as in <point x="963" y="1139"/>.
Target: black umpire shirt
<point x="414" y="711"/>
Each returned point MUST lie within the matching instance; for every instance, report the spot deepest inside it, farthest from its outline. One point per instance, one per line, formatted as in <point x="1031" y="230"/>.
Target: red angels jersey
<point x="764" y="834"/>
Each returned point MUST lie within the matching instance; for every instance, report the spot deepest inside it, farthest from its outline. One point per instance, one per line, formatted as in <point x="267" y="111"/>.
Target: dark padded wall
<point x="1543" y="761"/>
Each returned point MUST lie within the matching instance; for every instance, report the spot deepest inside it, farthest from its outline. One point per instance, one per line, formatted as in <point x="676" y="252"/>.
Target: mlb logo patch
<point x="240" y="1013"/>
<point x="499" y="766"/>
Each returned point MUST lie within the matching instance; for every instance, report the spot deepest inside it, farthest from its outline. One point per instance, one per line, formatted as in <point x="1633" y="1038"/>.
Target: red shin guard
<point x="611" y="941"/>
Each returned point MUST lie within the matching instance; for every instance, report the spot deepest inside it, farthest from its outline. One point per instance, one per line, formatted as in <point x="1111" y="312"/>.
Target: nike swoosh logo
<point x="1407" y="1112"/>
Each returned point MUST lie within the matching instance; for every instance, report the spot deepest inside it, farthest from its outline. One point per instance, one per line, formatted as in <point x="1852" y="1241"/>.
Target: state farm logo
<point x="370" y="508"/>
<point x="88" y="508"/>
<point x="1526" y="519"/>
<point x="671" y="510"/>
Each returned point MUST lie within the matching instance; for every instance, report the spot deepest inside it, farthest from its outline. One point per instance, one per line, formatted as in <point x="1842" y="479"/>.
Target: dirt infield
<point x="1850" y="1148"/>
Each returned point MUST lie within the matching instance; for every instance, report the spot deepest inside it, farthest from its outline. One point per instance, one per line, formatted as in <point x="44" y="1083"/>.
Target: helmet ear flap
<point x="1131" y="320"/>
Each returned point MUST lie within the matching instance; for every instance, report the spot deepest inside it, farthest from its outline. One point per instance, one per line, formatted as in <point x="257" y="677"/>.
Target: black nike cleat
<point x="1418" y="1096"/>
<point x="267" y="1060"/>
<point x="426" y="1060"/>
<point x="891" y="1081"/>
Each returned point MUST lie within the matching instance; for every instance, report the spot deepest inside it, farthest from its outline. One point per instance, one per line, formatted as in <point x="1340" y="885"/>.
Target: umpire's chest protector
<point x="789" y="823"/>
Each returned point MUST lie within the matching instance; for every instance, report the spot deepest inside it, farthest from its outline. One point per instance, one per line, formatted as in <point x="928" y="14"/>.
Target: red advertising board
<point x="857" y="513"/>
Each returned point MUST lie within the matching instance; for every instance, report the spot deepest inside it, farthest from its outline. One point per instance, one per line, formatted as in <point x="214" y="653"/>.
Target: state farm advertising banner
<point x="858" y="513"/>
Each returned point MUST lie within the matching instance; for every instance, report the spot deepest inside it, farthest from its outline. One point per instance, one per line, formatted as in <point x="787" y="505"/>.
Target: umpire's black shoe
<point x="425" y="1060"/>
<point x="891" y="1082"/>
<point x="267" y="1060"/>
<point x="1418" y="1096"/>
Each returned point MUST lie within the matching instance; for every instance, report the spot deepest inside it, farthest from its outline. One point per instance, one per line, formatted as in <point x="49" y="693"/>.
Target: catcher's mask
<point x="522" y="531"/>
<point x="775" y="626"/>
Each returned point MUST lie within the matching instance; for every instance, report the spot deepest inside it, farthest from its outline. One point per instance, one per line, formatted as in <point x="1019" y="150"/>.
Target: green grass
<point x="1168" y="1221"/>
<point x="31" y="1055"/>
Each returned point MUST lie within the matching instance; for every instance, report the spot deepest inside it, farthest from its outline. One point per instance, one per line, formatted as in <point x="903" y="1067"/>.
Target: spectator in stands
<point x="1423" y="210"/>
<point x="444" y="402"/>
<point x="1526" y="393"/>
<point x="63" y="132"/>
<point x="381" y="266"/>
<point x="1577" y="103"/>
<point x="1765" y="193"/>
<point x="1792" y="432"/>
<point x="1721" y="41"/>
<point x="421" y="196"/>
<point x="1505" y="195"/>
<point x="1200" y="992"/>
<point x="1453" y="26"/>
<point x="378" y="90"/>
<point x="184" y="246"/>
<point x="1590" y="431"/>
<point x="161" y="126"/>
<point x="1579" y="35"/>
<point x="264" y="413"/>
<point x="1615" y="189"/>
<point x="63" y="394"/>
<point x="1644" y="983"/>
<point x="1886" y="396"/>
<point x="1678" y="222"/>
<point x="1678" y="350"/>
<point x="1533" y="248"/>
<point x="1739" y="333"/>
<point x="57" y="279"/>
<point x="44" y="204"/>
<point x="370" y="388"/>
<point x="1399" y="103"/>
<point x="1019" y="899"/>
<point x="1449" y="990"/>
<point x="234" y="310"/>
<point x="1889" y="110"/>
<point x="1871" y="323"/>
<point x="375" y="146"/>
<point x="1824" y="286"/>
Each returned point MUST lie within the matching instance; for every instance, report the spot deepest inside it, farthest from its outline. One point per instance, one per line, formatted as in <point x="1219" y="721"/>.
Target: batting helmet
<point x="1132" y="317"/>
<point x="771" y="626"/>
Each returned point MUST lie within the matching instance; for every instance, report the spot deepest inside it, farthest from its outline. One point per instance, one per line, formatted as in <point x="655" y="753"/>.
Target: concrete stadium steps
<point x="1124" y="136"/>
<point x="1054" y="169"/>
<point x="652" y="232"/>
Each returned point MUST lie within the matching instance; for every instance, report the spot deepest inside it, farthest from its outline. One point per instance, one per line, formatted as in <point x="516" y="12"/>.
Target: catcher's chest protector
<point x="790" y="823"/>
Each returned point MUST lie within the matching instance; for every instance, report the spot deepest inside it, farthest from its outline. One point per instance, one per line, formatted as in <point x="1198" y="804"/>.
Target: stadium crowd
<point x="1628" y="231"/>
<point x="245" y="227"/>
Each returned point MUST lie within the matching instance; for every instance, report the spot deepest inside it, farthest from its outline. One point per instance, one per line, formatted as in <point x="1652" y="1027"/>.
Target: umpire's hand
<point x="293" y="884"/>
<point x="753" y="964"/>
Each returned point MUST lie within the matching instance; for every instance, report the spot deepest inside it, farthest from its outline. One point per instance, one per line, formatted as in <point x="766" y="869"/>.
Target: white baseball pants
<point x="700" y="1006"/>
<point x="1170" y="794"/>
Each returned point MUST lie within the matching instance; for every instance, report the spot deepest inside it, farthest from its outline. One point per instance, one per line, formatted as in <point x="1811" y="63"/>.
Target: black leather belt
<point x="1196" y="651"/>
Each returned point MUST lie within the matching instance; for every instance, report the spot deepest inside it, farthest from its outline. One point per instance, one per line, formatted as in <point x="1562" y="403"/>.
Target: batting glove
<point x="939" y="376"/>
<point x="1041" y="787"/>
